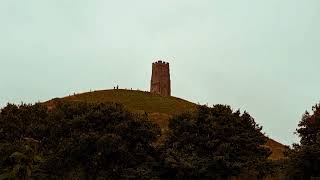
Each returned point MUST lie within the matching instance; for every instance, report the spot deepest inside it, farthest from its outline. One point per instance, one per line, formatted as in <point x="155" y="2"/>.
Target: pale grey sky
<point x="262" y="56"/>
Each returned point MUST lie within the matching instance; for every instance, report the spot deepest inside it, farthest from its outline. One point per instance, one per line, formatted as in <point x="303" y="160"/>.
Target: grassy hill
<point x="159" y="108"/>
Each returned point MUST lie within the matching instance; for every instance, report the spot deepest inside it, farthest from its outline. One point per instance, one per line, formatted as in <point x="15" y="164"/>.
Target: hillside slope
<point x="159" y="108"/>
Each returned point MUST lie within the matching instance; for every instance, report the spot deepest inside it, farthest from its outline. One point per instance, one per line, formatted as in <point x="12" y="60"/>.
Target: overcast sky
<point x="262" y="56"/>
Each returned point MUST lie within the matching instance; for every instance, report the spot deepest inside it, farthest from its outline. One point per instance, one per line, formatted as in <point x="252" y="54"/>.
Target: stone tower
<point x="160" y="80"/>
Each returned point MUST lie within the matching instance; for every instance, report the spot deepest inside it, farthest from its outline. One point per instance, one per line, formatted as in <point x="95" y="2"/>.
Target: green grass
<point x="137" y="101"/>
<point x="159" y="108"/>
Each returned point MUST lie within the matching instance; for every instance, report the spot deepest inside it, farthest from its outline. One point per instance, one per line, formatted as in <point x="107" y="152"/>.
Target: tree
<point x="213" y="142"/>
<point x="304" y="158"/>
<point x="76" y="140"/>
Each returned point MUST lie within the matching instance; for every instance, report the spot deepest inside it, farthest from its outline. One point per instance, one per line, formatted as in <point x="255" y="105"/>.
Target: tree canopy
<point x="88" y="141"/>
<point x="304" y="158"/>
<point x="214" y="142"/>
<point x="99" y="141"/>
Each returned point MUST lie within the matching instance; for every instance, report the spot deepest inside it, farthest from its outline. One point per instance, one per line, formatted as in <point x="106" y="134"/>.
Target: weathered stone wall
<point x="160" y="80"/>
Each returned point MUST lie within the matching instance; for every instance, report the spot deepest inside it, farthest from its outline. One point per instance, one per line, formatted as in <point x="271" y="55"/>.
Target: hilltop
<point x="158" y="108"/>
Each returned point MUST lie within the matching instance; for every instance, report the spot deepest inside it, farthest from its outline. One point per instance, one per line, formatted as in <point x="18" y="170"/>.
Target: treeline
<point x="105" y="141"/>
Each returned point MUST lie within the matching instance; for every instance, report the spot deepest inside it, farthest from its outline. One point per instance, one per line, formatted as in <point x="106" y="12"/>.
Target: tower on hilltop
<point x="160" y="80"/>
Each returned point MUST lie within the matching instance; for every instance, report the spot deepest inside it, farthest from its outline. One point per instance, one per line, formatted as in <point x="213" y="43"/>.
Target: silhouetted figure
<point x="117" y="86"/>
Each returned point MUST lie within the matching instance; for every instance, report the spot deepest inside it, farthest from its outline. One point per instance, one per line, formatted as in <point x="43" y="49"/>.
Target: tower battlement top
<point x="161" y="62"/>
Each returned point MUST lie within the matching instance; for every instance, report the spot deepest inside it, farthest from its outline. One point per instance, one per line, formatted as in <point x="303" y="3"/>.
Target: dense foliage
<point x="74" y="141"/>
<point x="105" y="141"/>
<point x="214" y="142"/>
<point x="304" y="158"/>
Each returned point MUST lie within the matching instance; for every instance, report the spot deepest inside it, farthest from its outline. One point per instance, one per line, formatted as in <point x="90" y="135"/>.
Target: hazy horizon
<point x="258" y="56"/>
